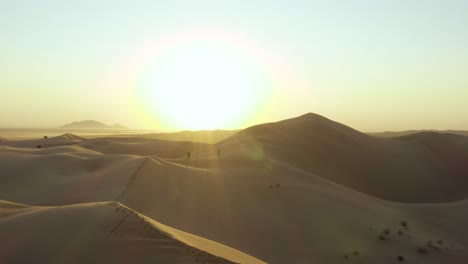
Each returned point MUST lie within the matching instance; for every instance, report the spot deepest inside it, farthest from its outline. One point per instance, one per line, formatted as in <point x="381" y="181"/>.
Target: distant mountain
<point x="91" y="124"/>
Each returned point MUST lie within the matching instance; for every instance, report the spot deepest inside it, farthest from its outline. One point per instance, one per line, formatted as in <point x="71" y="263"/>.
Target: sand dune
<point x="100" y="233"/>
<point x="261" y="196"/>
<point x="66" y="139"/>
<point x="63" y="175"/>
<point x="305" y="219"/>
<point x="201" y="136"/>
<point x="426" y="167"/>
<point x="204" y="136"/>
<point x="142" y="146"/>
<point x="115" y="145"/>
<point x="390" y="134"/>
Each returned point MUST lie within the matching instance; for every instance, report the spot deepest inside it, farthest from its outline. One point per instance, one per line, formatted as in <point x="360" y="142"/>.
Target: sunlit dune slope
<point x="114" y="145"/>
<point x="66" y="139"/>
<point x="142" y="146"/>
<point x="204" y="136"/>
<point x="104" y="232"/>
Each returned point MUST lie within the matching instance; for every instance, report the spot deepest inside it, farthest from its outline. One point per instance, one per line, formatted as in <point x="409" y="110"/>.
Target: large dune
<point x="271" y="193"/>
<point x="425" y="167"/>
<point x="105" y="232"/>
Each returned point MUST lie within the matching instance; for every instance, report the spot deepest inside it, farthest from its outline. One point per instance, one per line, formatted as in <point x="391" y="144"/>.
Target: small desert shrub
<point x="404" y="223"/>
<point x="38" y="146"/>
<point x="346" y="256"/>
<point x="356" y="253"/>
<point x="436" y="248"/>
<point x="422" y="251"/>
<point x="46" y="137"/>
<point x="440" y="242"/>
<point x="382" y="238"/>
<point x="400" y="258"/>
<point x="387" y="231"/>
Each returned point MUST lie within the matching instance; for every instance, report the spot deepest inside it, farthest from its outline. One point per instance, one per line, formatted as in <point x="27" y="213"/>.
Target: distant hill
<point x="91" y="124"/>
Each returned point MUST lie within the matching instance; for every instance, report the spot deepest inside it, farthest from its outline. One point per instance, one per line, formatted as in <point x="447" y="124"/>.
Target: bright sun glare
<point x="203" y="85"/>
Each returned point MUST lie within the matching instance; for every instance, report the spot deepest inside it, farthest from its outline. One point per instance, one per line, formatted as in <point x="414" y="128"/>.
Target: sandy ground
<point x="304" y="190"/>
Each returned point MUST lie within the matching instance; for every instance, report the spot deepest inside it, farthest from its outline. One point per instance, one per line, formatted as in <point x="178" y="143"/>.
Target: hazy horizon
<point x="180" y="65"/>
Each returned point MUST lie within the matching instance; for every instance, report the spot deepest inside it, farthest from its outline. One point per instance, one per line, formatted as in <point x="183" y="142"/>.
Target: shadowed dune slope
<point x="425" y="167"/>
<point x="104" y="232"/>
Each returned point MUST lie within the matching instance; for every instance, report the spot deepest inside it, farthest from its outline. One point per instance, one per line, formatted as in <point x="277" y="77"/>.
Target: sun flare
<point x="203" y="85"/>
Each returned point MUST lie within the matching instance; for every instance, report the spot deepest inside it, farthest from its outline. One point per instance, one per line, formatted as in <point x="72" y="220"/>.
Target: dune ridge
<point x="114" y="229"/>
<point x="63" y="140"/>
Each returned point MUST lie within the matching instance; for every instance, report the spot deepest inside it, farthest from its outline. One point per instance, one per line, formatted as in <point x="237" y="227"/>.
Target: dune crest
<point x="105" y="232"/>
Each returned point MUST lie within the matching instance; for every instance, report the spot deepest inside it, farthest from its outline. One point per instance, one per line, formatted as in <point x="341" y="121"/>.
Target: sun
<point x="203" y="85"/>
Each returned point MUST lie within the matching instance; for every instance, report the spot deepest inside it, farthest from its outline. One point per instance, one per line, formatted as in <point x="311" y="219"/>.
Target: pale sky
<point x="373" y="65"/>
